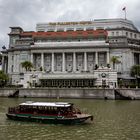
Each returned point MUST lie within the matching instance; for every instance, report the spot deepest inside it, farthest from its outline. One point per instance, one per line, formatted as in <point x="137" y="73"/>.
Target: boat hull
<point x="49" y="120"/>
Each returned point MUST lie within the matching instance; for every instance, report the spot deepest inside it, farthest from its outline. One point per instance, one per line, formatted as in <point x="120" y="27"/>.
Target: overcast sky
<point x="26" y="13"/>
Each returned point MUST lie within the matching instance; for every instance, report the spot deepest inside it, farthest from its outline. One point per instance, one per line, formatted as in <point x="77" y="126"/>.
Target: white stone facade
<point x="75" y="58"/>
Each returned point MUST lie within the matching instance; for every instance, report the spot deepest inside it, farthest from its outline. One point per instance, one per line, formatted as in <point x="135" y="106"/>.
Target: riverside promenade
<point x="77" y="93"/>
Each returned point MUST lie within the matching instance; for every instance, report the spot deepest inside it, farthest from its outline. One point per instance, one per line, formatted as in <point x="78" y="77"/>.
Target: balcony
<point x="71" y="44"/>
<point x="67" y="76"/>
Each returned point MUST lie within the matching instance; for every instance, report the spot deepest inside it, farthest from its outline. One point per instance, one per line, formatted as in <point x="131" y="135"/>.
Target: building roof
<point x="97" y="23"/>
<point x="46" y="104"/>
<point x="16" y="27"/>
<point x="29" y="33"/>
<point x="60" y="34"/>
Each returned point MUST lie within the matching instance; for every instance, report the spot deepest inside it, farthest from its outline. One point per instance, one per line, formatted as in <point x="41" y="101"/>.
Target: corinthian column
<point x="63" y="62"/>
<point x="42" y="60"/>
<point x="108" y="58"/>
<point x="139" y="58"/>
<point x="96" y="58"/>
<point x="85" y="61"/>
<point x="74" y="62"/>
<point x="52" y="62"/>
<point x="31" y="58"/>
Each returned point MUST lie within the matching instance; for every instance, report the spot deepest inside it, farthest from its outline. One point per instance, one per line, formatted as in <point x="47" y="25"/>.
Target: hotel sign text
<point x="70" y="23"/>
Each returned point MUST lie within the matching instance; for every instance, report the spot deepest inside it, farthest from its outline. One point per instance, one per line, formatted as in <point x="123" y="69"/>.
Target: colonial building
<point x="74" y="54"/>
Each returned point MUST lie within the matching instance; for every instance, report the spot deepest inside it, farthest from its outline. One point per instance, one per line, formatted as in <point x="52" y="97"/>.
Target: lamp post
<point x="136" y="76"/>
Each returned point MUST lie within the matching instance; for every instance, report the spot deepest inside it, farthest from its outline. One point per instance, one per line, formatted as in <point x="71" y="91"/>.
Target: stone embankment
<point x="87" y="93"/>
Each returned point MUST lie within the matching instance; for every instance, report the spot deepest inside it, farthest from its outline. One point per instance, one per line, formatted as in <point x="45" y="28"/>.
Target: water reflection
<point x="113" y="120"/>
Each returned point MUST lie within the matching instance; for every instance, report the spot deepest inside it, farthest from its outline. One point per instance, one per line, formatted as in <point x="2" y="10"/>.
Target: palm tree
<point x="135" y="70"/>
<point x="3" y="78"/>
<point x="27" y="65"/>
<point x="0" y="58"/>
<point x="114" y="60"/>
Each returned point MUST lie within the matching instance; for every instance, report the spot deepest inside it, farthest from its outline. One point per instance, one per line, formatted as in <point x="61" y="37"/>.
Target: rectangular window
<point x="79" y="29"/>
<point x="23" y="57"/>
<point x="98" y="28"/>
<point x="112" y="33"/>
<point x="12" y="68"/>
<point x="131" y="35"/>
<point x="12" y="57"/>
<point x="90" y="28"/>
<point x="117" y="33"/>
<point x="70" y="29"/>
<point x="90" y="32"/>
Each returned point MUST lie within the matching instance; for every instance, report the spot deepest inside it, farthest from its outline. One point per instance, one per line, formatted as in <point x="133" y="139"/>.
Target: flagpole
<point x="124" y="9"/>
<point x="125" y="13"/>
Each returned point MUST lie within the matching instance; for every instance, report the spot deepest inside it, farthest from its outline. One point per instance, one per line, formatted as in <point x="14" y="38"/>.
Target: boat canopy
<point x="46" y="104"/>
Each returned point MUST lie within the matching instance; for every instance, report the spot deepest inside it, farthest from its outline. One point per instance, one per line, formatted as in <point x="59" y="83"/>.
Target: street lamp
<point x="136" y="76"/>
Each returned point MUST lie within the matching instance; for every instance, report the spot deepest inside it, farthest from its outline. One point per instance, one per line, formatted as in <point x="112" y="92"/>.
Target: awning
<point x="127" y="77"/>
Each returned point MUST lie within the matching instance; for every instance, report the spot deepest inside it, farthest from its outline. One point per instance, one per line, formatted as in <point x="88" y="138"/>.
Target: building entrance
<point x="67" y="83"/>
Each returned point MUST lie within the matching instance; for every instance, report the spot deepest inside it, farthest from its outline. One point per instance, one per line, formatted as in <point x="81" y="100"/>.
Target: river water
<point x="113" y="120"/>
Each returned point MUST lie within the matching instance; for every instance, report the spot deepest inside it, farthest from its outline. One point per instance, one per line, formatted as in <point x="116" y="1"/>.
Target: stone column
<point x="42" y="60"/>
<point x="63" y="62"/>
<point x="14" y="64"/>
<point x="3" y="62"/>
<point x="31" y="59"/>
<point x="108" y="58"/>
<point x="9" y="63"/>
<point x="52" y="62"/>
<point x="139" y="58"/>
<point x="74" y="61"/>
<point x="85" y="61"/>
<point x="96" y="58"/>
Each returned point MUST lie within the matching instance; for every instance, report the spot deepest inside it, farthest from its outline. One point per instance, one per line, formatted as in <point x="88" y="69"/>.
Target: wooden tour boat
<point x="48" y="112"/>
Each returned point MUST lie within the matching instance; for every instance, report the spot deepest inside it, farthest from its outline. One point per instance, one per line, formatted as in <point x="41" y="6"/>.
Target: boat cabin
<point x="48" y="112"/>
<point x="46" y="108"/>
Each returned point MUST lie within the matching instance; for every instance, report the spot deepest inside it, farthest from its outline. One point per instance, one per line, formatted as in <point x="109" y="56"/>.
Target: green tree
<point x="135" y="70"/>
<point x="114" y="60"/>
<point x="0" y="58"/>
<point x="3" y="78"/>
<point x="41" y="69"/>
<point x="27" y="65"/>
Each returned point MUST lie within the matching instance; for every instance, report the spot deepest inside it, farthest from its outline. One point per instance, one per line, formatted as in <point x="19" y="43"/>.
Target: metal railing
<point x="73" y="43"/>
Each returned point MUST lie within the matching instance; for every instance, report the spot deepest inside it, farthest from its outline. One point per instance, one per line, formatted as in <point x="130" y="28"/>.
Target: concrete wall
<point x="68" y="93"/>
<point x="71" y="93"/>
<point x="133" y="94"/>
<point x="6" y="92"/>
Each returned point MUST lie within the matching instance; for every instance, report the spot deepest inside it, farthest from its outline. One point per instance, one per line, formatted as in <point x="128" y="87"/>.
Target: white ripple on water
<point x="114" y="120"/>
